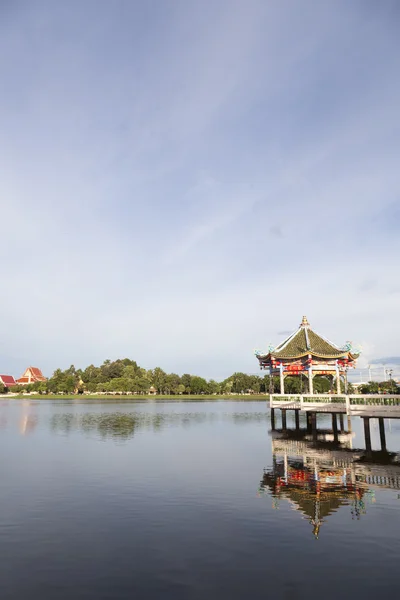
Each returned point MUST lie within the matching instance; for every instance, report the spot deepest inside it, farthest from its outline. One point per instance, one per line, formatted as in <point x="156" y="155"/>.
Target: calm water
<point x="191" y="500"/>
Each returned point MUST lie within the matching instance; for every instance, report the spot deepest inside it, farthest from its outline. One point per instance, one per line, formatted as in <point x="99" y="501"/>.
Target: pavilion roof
<point x="305" y="341"/>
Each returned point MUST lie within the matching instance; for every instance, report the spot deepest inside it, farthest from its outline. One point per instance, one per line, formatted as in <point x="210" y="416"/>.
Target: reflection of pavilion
<point x="28" y="421"/>
<point x="318" y="477"/>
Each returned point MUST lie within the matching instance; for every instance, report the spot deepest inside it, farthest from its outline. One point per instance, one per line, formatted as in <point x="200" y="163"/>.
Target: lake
<point x="183" y="500"/>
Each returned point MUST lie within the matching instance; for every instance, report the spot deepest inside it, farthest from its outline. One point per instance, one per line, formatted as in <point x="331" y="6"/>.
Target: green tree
<point x="256" y="383"/>
<point x="372" y="387"/>
<point x="186" y="380"/>
<point x="198" y="385"/>
<point x="159" y="380"/>
<point x="226" y="386"/>
<point x="214" y="387"/>
<point x="389" y="387"/>
<point x="321" y="384"/>
<point x="172" y="383"/>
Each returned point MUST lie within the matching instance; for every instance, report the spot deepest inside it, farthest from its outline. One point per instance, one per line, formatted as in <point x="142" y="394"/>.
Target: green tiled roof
<point x="306" y="341"/>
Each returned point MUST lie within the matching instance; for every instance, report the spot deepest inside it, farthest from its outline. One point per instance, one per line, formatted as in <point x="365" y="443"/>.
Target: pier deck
<point x="354" y="405"/>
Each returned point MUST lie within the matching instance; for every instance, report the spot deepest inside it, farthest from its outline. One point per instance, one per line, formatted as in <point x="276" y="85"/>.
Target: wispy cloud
<point x="386" y="360"/>
<point x="179" y="184"/>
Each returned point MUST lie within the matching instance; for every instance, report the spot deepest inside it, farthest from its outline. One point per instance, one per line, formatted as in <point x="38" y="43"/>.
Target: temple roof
<point x="31" y="375"/>
<point x="305" y="341"/>
<point x="7" y="380"/>
<point x="37" y="374"/>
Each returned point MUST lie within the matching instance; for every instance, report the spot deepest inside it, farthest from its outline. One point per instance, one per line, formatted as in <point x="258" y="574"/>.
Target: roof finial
<point x="304" y="322"/>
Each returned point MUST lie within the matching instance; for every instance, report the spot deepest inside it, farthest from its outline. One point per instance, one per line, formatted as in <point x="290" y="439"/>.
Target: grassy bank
<point x="140" y="398"/>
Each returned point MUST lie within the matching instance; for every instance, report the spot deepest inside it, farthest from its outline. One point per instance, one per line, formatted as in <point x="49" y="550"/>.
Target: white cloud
<point x="179" y="190"/>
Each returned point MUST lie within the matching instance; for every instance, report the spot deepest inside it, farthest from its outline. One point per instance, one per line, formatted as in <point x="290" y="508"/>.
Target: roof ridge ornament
<point x="304" y="322"/>
<point x="307" y="339"/>
<point x="258" y="352"/>
<point x="352" y="348"/>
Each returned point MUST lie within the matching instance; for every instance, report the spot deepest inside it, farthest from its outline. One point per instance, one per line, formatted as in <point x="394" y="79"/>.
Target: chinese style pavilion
<point x="31" y="375"/>
<point x="307" y="352"/>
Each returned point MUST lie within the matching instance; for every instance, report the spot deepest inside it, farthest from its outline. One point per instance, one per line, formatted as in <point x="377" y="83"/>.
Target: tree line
<point x="125" y="376"/>
<point x="383" y="387"/>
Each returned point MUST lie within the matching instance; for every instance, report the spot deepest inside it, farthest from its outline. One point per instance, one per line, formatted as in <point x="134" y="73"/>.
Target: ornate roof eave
<point x="310" y="352"/>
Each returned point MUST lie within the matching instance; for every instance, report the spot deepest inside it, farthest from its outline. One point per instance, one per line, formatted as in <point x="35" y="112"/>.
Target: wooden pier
<point x="368" y="407"/>
<point x="373" y="405"/>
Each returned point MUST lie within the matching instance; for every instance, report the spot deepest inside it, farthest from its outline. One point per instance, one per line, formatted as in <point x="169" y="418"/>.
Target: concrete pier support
<point x="309" y="422"/>
<point x="349" y="424"/>
<point x="335" y="428"/>
<point x="382" y="433"/>
<point x="341" y="422"/>
<point x="297" y="418"/>
<point x="314" y="426"/>
<point x="367" y="434"/>
<point x="283" y="418"/>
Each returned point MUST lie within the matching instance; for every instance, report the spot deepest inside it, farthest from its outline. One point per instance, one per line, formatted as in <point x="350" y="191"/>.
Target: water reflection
<point x="117" y="419"/>
<point x="157" y="500"/>
<point x="27" y="423"/>
<point x="318" y="472"/>
<point x="124" y="425"/>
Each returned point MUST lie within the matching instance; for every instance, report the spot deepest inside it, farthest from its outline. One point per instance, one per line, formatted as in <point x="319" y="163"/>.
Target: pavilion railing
<point x="308" y="398"/>
<point x="285" y="398"/>
<point x="374" y="400"/>
<point x="324" y="398"/>
<point x="353" y="400"/>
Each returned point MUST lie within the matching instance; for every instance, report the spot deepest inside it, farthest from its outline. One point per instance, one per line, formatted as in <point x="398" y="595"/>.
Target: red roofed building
<point x="31" y="375"/>
<point x="8" y="381"/>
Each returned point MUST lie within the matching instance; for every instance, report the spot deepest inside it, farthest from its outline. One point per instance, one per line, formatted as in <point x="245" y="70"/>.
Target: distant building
<point x="152" y="391"/>
<point x="31" y="375"/>
<point x="357" y="384"/>
<point x="8" y="381"/>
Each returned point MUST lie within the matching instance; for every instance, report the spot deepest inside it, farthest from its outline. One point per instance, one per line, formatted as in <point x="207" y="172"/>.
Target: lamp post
<point x="390" y="372"/>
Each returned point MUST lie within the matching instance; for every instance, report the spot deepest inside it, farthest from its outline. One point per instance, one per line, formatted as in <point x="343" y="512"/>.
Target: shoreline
<point x="137" y="397"/>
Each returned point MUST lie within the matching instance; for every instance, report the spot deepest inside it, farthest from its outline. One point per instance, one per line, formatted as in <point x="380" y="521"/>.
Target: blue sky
<point x="183" y="180"/>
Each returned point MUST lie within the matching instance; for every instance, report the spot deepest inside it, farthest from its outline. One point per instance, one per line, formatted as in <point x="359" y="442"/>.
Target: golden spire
<point x="304" y="322"/>
<point x="316" y="529"/>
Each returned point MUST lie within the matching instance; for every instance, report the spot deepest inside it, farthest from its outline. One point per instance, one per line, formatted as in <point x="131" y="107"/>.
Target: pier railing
<point x="342" y="403"/>
<point x="374" y="400"/>
<point x="308" y="398"/>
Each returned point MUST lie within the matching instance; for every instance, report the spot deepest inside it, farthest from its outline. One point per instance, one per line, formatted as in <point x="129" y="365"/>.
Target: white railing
<point x="348" y="402"/>
<point x="308" y="398"/>
<point x="324" y="398"/>
<point x="285" y="398"/>
<point x="374" y="400"/>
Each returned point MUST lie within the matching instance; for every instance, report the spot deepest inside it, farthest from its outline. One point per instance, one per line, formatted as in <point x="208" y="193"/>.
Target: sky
<point x="181" y="181"/>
